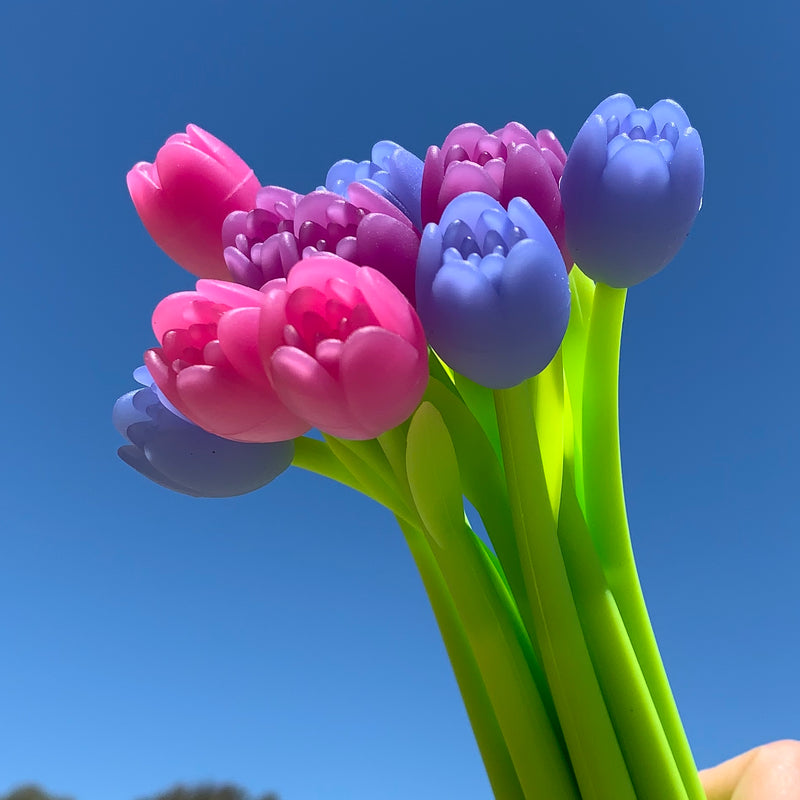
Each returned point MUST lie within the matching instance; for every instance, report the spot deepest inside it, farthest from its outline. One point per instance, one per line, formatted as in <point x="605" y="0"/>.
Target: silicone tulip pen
<point x="184" y="195"/>
<point x="631" y="193"/>
<point x="492" y="291"/>
<point x="466" y="359"/>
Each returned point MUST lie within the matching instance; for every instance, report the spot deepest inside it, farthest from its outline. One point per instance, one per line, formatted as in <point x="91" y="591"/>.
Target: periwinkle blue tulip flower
<point x="492" y="290"/>
<point x="631" y="189"/>
<point x="394" y="173"/>
<point x="178" y="455"/>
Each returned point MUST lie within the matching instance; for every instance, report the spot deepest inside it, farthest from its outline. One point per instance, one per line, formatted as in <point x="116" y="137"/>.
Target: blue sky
<point x="283" y="640"/>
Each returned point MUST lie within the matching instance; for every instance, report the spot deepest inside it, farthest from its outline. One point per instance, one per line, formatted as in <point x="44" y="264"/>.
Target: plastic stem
<point x="641" y="737"/>
<point x="607" y="517"/>
<point x="491" y="622"/>
<point x="593" y="748"/>
<point x="489" y="737"/>
<point x="313" y="455"/>
<point x="483" y="484"/>
<point x="366" y="461"/>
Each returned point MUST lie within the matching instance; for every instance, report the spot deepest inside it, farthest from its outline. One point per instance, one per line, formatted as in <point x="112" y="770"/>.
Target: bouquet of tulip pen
<point x="450" y="328"/>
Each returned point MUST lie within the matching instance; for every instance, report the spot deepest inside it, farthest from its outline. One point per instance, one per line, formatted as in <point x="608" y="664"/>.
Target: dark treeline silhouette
<point x="202" y="792"/>
<point x="30" y="792"/>
<point x="209" y="792"/>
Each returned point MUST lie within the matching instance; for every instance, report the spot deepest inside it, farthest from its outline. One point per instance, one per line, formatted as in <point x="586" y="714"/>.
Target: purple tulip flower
<point x="393" y="173"/>
<point x="259" y="245"/>
<point x="510" y="162"/>
<point x="178" y="455"/>
<point x="492" y="290"/>
<point x="366" y="229"/>
<point x="631" y="189"/>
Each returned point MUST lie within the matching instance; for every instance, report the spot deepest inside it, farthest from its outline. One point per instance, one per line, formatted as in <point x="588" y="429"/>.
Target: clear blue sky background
<point x="283" y="640"/>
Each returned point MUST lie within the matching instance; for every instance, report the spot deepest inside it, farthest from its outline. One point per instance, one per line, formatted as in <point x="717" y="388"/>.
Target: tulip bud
<point x="185" y="195"/>
<point x="393" y="173"/>
<point x="178" y="455"/>
<point x="209" y="368"/>
<point x="511" y="162"/>
<point x="631" y="189"/>
<point x="367" y="230"/>
<point x="492" y="290"/>
<point x="348" y="353"/>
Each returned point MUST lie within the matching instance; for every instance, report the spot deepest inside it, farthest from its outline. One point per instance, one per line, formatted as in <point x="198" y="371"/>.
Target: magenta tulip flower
<point x="343" y="347"/>
<point x="509" y="163"/>
<point x="185" y="195"/>
<point x="366" y="229"/>
<point x="209" y="367"/>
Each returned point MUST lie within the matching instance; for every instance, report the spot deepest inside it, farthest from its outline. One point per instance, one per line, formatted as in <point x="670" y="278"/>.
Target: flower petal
<point x="384" y="378"/>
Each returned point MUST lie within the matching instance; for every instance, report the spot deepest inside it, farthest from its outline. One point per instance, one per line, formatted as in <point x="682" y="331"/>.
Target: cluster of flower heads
<point x="317" y="310"/>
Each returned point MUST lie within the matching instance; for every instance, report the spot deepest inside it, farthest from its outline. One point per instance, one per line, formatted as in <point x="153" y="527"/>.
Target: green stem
<point x="573" y="350"/>
<point x="483" y="607"/>
<point x="366" y="461"/>
<point x="607" y="517"/>
<point x="641" y="737"/>
<point x="315" y="456"/>
<point x="593" y="748"/>
<point x="492" y="624"/>
<point x="547" y="403"/>
<point x="488" y="735"/>
<point x="321" y="457"/>
<point x="483" y="484"/>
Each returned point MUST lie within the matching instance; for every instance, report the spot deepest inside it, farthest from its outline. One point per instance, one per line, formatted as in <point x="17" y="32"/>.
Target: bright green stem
<point x="319" y="457"/>
<point x="602" y="464"/>
<point x="488" y="735"/>
<point x="641" y="737"/>
<point x="480" y="402"/>
<point x="573" y="350"/>
<point x="593" y="748"/>
<point x="367" y="463"/>
<point x="547" y="401"/>
<point x="490" y="620"/>
<point x="483" y="484"/>
<point x="607" y="518"/>
<point x="315" y="456"/>
<point x="494" y="634"/>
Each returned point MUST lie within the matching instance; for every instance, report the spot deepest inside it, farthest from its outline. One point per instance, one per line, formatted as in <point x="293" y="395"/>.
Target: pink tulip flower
<point x="343" y="348"/>
<point x="209" y="367"/>
<point x="184" y="197"/>
<point x="509" y="163"/>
